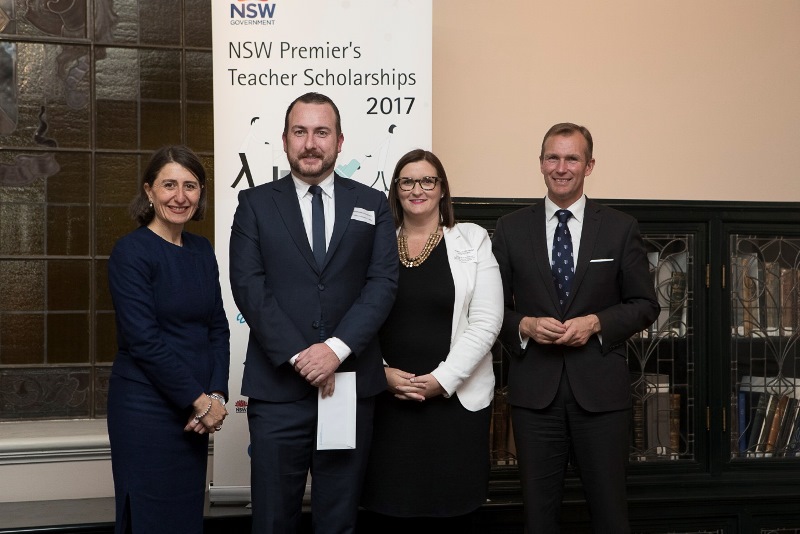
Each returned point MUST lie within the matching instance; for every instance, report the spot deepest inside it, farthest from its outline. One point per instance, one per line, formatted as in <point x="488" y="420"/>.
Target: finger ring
<point x="217" y="428"/>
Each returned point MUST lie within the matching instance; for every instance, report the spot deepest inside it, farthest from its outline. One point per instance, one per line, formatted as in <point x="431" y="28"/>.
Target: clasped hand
<point x="408" y="386"/>
<point x="212" y="421"/>
<point x="318" y="364"/>
<point x="573" y="332"/>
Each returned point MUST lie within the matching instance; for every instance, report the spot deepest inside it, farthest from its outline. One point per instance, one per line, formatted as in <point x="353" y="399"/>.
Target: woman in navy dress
<point x="169" y="382"/>
<point x="429" y="461"/>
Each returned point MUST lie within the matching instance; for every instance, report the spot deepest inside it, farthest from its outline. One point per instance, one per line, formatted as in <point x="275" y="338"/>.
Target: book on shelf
<point x="787" y="426"/>
<point x="745" y="294"/>
<point x="756" y="422"/>
<point x="500" y="430"/>
<point x="671" y="284"/>
<point x="744" y="401"/>
<point x="655" y="418"/>
<point x="766" y="424"/>
<point x="793" y="441"/>
<point x="638" y="424"/>
<point x="775" y="426"/>
<point x="772" y="298"/>
<point x="796" y="306"/>
<point x="675" y="423"/>
<point x="767" y="415"/>
<point x="788" y="303"/>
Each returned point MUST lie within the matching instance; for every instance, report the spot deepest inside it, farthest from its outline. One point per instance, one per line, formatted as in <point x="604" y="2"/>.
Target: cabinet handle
<point x="724" y="420"/>
<point x="708" y="419"/>
<point x="723" y="277"/>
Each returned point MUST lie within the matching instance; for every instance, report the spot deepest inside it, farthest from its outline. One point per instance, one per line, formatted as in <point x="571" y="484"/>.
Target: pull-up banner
<point x="373" y="59"/>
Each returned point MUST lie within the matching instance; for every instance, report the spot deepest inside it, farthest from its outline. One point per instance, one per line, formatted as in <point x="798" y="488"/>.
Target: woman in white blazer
<point x="430" y="452"/>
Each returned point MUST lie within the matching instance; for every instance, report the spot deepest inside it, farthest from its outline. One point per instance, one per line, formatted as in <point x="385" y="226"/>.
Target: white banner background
<point x="373" y="58"/>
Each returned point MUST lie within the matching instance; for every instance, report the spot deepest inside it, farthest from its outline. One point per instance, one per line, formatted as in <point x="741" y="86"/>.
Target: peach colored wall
<point x="686" y="99"/>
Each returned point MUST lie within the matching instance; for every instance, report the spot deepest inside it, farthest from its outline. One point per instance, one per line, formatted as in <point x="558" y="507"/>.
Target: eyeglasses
<point x="188" y="187"/>
<point x="427" y="183"/>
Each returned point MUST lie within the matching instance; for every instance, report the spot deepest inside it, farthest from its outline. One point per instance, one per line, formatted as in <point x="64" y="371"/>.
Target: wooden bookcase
<point x="722" y="341"/>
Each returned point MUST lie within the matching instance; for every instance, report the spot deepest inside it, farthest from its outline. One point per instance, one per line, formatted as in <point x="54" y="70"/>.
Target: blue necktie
<point x="317" y="225"/>
<point x="562" y="264"/>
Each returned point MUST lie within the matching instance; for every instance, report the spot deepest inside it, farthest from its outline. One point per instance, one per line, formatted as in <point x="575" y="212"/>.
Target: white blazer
<point x="477" y="316"/>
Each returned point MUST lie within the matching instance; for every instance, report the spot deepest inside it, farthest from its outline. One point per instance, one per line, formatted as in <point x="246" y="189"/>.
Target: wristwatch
<point x="219" y="397"/>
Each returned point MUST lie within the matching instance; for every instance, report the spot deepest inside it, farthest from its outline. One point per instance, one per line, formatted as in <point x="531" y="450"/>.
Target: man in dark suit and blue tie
<point x="577" y="285"/>
<point x="313" y="271"/>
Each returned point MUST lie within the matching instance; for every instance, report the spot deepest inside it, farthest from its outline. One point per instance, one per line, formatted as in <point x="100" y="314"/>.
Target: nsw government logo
<point x="252" y="12"/>
<point x="241" y="406"/>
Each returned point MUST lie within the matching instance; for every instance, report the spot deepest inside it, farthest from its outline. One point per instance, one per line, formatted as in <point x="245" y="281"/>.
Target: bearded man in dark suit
<point x="576" y="285"/>
<point x="314" y="270"/>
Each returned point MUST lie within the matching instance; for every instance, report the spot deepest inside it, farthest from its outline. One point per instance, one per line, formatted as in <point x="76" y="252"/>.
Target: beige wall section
<point x="688" y="100"/>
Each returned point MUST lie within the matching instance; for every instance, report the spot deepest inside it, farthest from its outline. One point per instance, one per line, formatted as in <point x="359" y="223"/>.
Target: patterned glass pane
<point x="199" y="80"/>
<point x="116" y="93"/>
<point x="102" y="294"/>
<point x="200" y="127"/>
<point x="68" y="230"/>
<point x="160" y="22"/>
<point x="116" y="178"/>
<point x="197" y="23"/>
<point x="53" y="392"/>
<point x="119" y="20"/>
<point x="50" y="97"/>
<point x="68" y="338"/>
<point x="160" y="75"/>
<point x="23" y="177"/>
<point x="161" y="124"/>
<point x="106" y="336"/>
<point x="112" y="223"/>
<point x="22" y="285"/>
<point x="72" y="183"/>
<point x="21" y="229"/>
<point x="68" y="285"/>
<point x="101" y="376"/>
<point x="55" y="19"/>
<point x="22" y="338"/>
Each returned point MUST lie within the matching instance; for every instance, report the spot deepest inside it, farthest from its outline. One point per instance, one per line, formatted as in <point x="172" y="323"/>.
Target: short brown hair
<point x="141" y="209"/>
<point x="313" y="98"/>
<point x="568" y="128"/>
<point x="445" y="203"/>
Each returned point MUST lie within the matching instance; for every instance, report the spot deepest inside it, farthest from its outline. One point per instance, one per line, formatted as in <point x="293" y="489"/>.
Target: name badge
<point x="367" y="216"/>
<point x="467" y="256"/>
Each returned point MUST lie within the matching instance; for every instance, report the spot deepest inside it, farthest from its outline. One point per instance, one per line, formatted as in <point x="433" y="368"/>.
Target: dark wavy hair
<point x="445" y="203"/>
<point x="313" y="98"/>
<point x="568" y="128"/>
<point x="140" y="209"/>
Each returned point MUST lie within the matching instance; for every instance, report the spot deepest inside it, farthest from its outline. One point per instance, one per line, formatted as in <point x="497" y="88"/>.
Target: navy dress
<point x="173" y="346"/>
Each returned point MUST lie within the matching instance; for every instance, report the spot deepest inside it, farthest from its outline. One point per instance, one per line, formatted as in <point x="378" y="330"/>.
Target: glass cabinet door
<point x="661" y="358"/>
<point x="765" y="356"/>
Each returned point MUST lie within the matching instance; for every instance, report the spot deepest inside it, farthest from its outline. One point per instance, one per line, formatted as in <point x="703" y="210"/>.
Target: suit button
<point x="321" y="287"/>
<point x="315" y="324"/>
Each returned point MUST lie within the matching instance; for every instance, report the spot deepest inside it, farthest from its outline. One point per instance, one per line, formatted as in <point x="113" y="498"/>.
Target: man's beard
<point x="326" y="165"/>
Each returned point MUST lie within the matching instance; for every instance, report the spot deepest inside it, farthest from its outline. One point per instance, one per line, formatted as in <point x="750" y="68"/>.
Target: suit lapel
<point x="538" y="230"/>
<point x="288" y="206"/>
<point x="346" y="198"/>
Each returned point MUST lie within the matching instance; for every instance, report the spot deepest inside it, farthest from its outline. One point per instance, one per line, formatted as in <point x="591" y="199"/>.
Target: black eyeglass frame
<point x="416" y="181"/>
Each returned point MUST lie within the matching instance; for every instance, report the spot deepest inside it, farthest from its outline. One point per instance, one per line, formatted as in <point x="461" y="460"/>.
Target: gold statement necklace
<point x="402" y="248"/>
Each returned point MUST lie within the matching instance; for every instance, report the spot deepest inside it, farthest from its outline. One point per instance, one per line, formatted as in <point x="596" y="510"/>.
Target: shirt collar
<point x="577" y="208"/>
<point x="302" y="187"/>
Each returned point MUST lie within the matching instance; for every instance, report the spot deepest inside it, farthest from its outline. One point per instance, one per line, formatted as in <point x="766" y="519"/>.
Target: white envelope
<point x="336" y="415"/>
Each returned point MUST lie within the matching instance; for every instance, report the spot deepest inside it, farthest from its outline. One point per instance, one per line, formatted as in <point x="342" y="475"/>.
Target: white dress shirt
<point x="329" y="208"/>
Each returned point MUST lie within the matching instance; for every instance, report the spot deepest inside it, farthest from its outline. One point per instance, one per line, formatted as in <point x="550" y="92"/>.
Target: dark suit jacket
<point x="620" y="292"/>
<point x="286" y="299"/>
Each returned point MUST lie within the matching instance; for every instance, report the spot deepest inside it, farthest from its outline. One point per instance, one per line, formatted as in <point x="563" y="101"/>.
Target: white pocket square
<point x="600" y="260"/>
